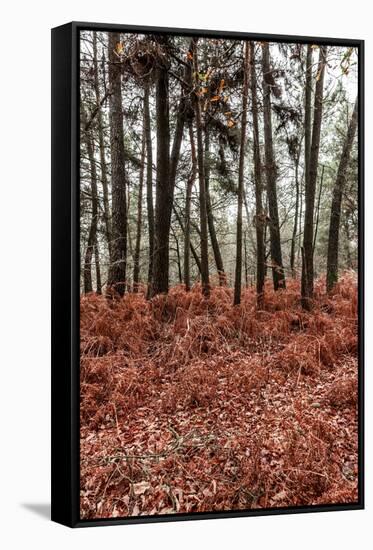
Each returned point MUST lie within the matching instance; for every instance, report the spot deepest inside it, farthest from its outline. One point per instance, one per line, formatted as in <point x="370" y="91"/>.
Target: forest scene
<point x="219" y="268"/>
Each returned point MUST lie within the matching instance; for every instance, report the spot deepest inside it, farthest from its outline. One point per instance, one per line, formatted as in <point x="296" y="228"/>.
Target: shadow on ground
<point x="43" y="510"/>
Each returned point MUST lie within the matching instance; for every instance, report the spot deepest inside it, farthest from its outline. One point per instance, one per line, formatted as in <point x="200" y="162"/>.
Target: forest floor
<point x="191" y="405"/>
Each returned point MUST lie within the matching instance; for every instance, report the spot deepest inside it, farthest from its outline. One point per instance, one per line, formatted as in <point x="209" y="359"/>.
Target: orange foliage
<point x="190" y="404"/>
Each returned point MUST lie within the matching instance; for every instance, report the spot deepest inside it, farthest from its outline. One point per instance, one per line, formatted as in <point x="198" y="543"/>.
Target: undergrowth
<point x="190" y="404"/>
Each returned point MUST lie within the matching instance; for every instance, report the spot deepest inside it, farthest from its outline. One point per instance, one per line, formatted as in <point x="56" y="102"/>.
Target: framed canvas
<point x="207" y="274"/>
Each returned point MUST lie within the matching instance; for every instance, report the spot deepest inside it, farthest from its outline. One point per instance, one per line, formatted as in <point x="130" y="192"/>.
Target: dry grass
<point x="189" y="404"/>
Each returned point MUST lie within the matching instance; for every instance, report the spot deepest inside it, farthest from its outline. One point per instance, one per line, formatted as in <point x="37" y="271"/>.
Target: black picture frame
<point x="65" y="273"/>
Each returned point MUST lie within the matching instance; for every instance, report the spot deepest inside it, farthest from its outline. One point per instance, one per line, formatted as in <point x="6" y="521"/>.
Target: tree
<point x="136" y="267"/>
<point x="210" y="216"/>
<point x="117" y="270"/>
<point x="163" y="204"/>
<point x="167" y="144"/>
<point x="201" y="176"/>
<point x="295" y="155"/>
<point x="188" y="199"/>
<point x="149" y="182"/>
<point x="278" y="273"/>
<point x="260" y="216"/>
<point x="241" y="169"/>
<point x="335" y="213"/>
<point x="310" y="185"/>
<point x="92" y="247"/>
<point x="166" y="171"/>
<point x="101" y="140"/>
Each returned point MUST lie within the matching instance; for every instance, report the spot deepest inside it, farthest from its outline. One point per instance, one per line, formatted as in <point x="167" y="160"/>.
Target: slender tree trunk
<point x="271" y="171"/>
<point x="136" y="266"/>
<point x="310" y="186"/>
<point x="296" y="216"/>
<point x="246" y="262"/>
<point x="210" y="217"/>
<point x="346" y="229"/>
<point x="241" y="174"/>
<point x="178" y="257"/>
<point x="260" y="215"/>
<point x="101" y="140"/>
<point x="201" y="178"/>
<point x="308" y="113"/>
<point x="188" y="200"/>
<point x="335" y="214"/>
<point x="318" y="209"/>
<point x="192" y="249"/>
<point x="149" y="182"/>
<point x="117" y="271"/>
<point x="300" y="219"/>
<point x="163" y="204"/>
<point x="98" y="269"/>
<point x="166" y="174"/>
<point x="92" y="234"/>
<point x="307" y="141"/>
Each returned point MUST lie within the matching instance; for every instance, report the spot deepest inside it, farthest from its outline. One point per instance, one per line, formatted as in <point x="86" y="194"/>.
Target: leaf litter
<point x="190" y="404"/>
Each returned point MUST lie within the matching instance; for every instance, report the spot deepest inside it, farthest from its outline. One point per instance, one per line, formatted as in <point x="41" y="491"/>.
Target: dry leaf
<point x="141" y="487"/>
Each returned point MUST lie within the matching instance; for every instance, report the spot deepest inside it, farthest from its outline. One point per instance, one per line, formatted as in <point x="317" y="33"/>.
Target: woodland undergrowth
<point x="189" y="404"/>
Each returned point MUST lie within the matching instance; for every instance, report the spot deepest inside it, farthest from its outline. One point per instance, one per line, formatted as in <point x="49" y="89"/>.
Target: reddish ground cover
<point x="191" y="405"/>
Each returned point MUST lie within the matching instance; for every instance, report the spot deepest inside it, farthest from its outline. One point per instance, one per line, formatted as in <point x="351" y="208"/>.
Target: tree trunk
<point x="178" y="257"/>
<point x="210" y="217"/>
<point x="201" y="177"/>
<point x="260" y="215"/>
<point x="346" y="229"/>
<point x="310" y="186"/>
<point x="98" y="269"/>
<point x="335" y="214"/>
<point x="188" y="200"/>
<point x="241" y="173"/>
<point x="166" y="175"/>
<point x="192" y="249"/>
<point x="246" y="262"/>
<point x="101" y="140"/>
<point x="149" y="182"/>
<point x="307" y="113"/>
<point x="318" y="209"/>
<point x="296" y="216"/>
<point x="117" y="271"/>
<point x="163" y="204"/>
<point x="278" y="273"/>
<point x="300" y="217"/>
<point x="136" y="261"/>
<point x="92" y="234"/>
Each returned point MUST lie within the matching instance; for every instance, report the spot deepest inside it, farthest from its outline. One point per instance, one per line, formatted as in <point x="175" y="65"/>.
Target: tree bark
<point x="101" y="140"/>
<point x="166" y="174"/>
<point x="117" y="271"/>
<point x="296" y="217"/>
<point x="241" y="174"/>
<point x="92" y="234"/>
<point x="201" y="178"/>
<point x="178" y="257"/>
<point x="188" y="200"/>
<point x="335" y="214"/>
<point x="163" y="203"/>
<point x="310" y="186"/>
<point x="149" y="182"/>
<point x="278" y="273"/>
<point x="318" y="209"/>
<point x="136" y="262"/>
<point x="260" y="215"/>
<point x="307" y="113"/>
<point x="98" y="269"/>
<point x="210" y="217"/>
<point x="192" y="249"/>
